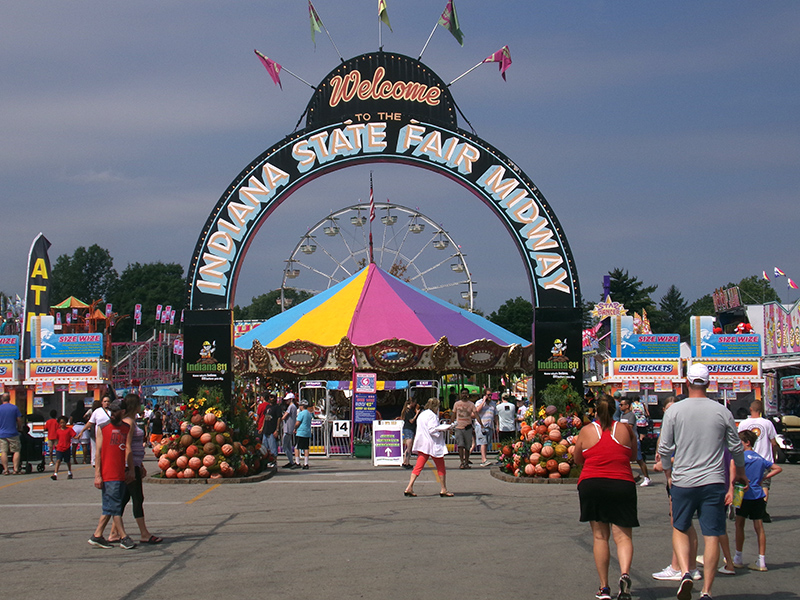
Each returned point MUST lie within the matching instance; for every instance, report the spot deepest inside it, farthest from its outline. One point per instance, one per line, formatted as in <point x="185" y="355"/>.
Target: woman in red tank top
<point x="607" y="492"/>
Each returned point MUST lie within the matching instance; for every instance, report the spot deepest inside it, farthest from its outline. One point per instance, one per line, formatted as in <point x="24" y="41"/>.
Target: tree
<point x="148" y="284"/>
<point x="674" y="313"/>
<point x="631" y="292"/>
<point x="515" y="316"/>
<point x="756" y="290"/>
<point x="88" y="275"/>
<point x="268" y="305"/>
<point x="702" y="306"/>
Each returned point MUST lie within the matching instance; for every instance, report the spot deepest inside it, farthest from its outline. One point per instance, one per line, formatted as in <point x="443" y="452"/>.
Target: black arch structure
<point x="386" y="107"/>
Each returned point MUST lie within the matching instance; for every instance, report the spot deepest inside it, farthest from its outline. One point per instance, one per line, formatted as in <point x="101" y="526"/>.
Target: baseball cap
<point x="303" y="402"/>
<point x="697" y="374"/>
<point x="115" y="405"/>
<point x="289" y="396"/>
<point x="617" y="395"/>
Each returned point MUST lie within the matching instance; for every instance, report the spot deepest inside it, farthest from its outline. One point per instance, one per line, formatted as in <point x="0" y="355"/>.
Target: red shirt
<point x="607" y="459"/>
<point x="51" y="425"/>
<point x="262" y="408"/>
<point x="112" y="452"/>
<point x="64" y="437"/>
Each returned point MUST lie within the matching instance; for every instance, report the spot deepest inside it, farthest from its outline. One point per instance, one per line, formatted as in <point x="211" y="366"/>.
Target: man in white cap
<point x="289" y="421"/>
<point x="696" y="431"/>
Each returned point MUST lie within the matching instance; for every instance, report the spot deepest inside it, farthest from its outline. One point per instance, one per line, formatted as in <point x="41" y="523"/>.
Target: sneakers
<point x="685" y="587"/>
<point x="723" y="570"/>
<point x="696" y="575"/>
<point x="738" y="565"/>
<point x="604" y="593"/>
<point x="757" y="567"/>
<point x="486" y="463"/>
<point x="288" y="466"/>
<point x="705" y="596"/>
<point x="127" y="543"/>
<point x="294" y="466"/>
<point x="54" y="477"/>
<point x="305" y="467"/>
<point x="624" y="587"/>
<point x="69" y="475"/>
<point x="645" y="482"/>
<point x="668" y="574"/>
<point x="100" y="542"/>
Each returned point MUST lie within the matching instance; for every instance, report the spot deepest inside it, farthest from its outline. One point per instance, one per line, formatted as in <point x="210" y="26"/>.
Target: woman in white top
<point x="100" y="416"/>
<point x="429" y="443"/>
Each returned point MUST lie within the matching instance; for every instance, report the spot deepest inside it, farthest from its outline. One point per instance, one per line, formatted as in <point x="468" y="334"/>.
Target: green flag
<point x="315" y="22"/>
<point x="383" y="14"/>
<point x="449" y="20"/>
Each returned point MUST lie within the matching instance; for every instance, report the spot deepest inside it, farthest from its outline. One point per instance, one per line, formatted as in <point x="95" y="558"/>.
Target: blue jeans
<point x="288" y="447"/>
<point x="271" y="442"/>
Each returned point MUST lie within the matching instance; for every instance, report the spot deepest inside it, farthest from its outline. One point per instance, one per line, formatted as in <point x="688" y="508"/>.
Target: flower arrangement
<point x="207" y="446"/>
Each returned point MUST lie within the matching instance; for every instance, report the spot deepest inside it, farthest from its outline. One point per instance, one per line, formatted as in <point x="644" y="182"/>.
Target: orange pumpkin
<point x="205" y="438"/>
<point x="530" y="470"/>
<point x="531" y="435"/>
<point x="220" y="439"/>
<point x="549" y="420"/>
<point x="188" y="473"/>
<point x="555" y="475"/>
<point x="209" y="419"/>
<point x="172" y="454"/>
<point x="551" y="465"/>
<point x="171" y="473"/>
<point x="197" y="419"/>
<point x="195" y="463"/>
<point x="547" y="451"/>
<point x="196" y="431"/>
<point x="220" y="426"/>
<point x="540" y="471"/>
<point x="555" y="435"/>
<point x="507" y="450"/>
<point x="227" y="450"/>
<point x="203" y="472"/>
<point x="525" y="429"/>
<point x="563" y="422"/>
<point x="564" y="469"/>
<point x="163" y="463"/>
<point x="536" y="447"/>
<point x="209" y="460"/>
<point x="541" y="429"/>
<point x="192" y="450"/>
<point x="534" y="458"/>
<point x="184" y="426"/>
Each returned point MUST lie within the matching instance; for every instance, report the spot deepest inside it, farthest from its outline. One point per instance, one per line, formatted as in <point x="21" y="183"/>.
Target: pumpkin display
<point x="188" y="473"/>
<point x="204" y="472"/>
<point x="209" y="460"/>
<point x="171" y="473"/>
<point x="531" y="435"/>
<point x="195" y="463"/>
<point x="205" y="438"/>
<point x="564" y="468"/>
<point x="186" y="440"/>
<point x="196" y="419"/>
<point x="209" y="419"/>
<point x="192" y="450"/>
<point x="163" y="463"/>
<point x="196" y="431"/>
<point x="210" y="448"/>
<point x="548" y="451"/>
<point x="530" y="470"/>
<point x="220" y="426"/>
<point x="551" y="465"/>
<point x="549" y="420"/>
<point x="536" y="447"/>
<point x="227" y="450"/>
<point x="182" y="462"/>
<point x="555" y="435"/>
<point x="535" y="458"/>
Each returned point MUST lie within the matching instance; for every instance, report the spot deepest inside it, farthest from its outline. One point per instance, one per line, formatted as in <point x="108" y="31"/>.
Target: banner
<point x="705" y="343"/>
<point x="365" y="398"/>
<point x="733" y="369"/>
<point x="207" y="346"/>
<point x="626" y="344"/>
<point x="9" y="347"/>
<point x="37" y="286"/>
<point x="781" y="329"/>
<point x="651" y="370"/>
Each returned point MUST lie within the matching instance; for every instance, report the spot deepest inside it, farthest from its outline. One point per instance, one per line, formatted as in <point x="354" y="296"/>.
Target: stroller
<point x="32" y="451"/>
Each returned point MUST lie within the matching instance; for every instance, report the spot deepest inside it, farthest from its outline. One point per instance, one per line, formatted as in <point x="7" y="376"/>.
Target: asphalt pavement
<point x="343" y="529"/>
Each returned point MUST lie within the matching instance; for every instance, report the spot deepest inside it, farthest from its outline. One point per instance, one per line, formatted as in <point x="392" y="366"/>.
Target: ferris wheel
<point x="406" y="244"/>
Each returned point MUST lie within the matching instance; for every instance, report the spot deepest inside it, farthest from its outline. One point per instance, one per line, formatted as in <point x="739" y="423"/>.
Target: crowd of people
<point x="714" y="470"/>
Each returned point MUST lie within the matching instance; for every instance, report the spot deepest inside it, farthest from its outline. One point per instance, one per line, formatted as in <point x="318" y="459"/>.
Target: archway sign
<point x="386" y="107"/>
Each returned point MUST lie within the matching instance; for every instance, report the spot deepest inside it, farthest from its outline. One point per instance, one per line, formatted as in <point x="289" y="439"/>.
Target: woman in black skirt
<point x="607" y="492"/>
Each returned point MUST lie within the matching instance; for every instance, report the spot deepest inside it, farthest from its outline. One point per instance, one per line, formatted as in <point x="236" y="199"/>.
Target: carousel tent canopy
<point x="372" y="306"/>
<point x="71" y="302"/>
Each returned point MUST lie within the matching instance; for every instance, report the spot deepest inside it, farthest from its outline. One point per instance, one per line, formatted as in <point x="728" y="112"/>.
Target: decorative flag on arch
<point x="502" y="56"/>
<point x="383" y="14"/>
<point x="779" y="273"/>
<point x="764" y="275"/>
<point x="371" y="201"/>
<point x="273" y="68"/>
<point x="316" y="22"/>
<point x="792" y="284"/>
<point x="449" y="20"/>
<point x="158" y="312"/>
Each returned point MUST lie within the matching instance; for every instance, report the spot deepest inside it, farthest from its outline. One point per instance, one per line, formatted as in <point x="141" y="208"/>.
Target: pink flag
<point x="502" y="56"/>
<point x="778" y="272"/>
<point x="792" y="284"/>
<point x="158" y="312"/>
<point x="764" y="275"/>
<point x="272" y="68"/>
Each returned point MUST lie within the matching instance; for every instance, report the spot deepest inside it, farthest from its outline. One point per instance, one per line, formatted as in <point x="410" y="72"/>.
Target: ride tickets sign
<point x="645" y="369"/>
<point x="733" y="369"/>
<point x="84" y="370"/>
<point x="382" y="107"/>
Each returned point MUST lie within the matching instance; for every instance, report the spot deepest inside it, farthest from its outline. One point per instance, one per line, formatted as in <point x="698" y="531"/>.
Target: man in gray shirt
<point x="289" y="419"/>
<point x="696" y="431"/>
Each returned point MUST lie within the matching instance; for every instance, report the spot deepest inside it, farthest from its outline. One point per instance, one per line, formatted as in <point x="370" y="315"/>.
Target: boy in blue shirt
<point x="757" y="468"/>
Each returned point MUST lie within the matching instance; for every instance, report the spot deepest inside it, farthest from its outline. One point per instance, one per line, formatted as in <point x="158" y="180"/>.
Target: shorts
<point x="113" y="497"/>
<point x="408" y="434"/>
<point x="9" y="445"/>
<point x="765" y="483"/>
<point x="752" y="509"/>
<point x="708" y="501"/>
<point x="302" y="442"/>
<point x="155" y="438"/>
<point x="608" y="501"/>
<point x="64" y="455"/>
<point x="483" y="436"/>
<point x="464" y="438"/>
<point x="504" y="435"/>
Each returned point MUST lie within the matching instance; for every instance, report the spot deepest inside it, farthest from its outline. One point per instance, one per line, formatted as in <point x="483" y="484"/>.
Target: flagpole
<point x="371" y="215"/>
<point x="341" y="58"/>
<point x="465" y="73"/>
<point x="297" y="77"/>
<point x="380" y="30"/>
<point x="428" y="41"/>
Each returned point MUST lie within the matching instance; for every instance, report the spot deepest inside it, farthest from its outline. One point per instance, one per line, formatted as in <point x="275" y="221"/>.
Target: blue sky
<point x="666" y="136"/>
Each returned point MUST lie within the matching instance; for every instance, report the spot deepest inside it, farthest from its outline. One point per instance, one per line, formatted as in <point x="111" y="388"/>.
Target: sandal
<point x="410" y="494"/>
<point x="446" y="494"/>
<point x="154" y="539"/>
